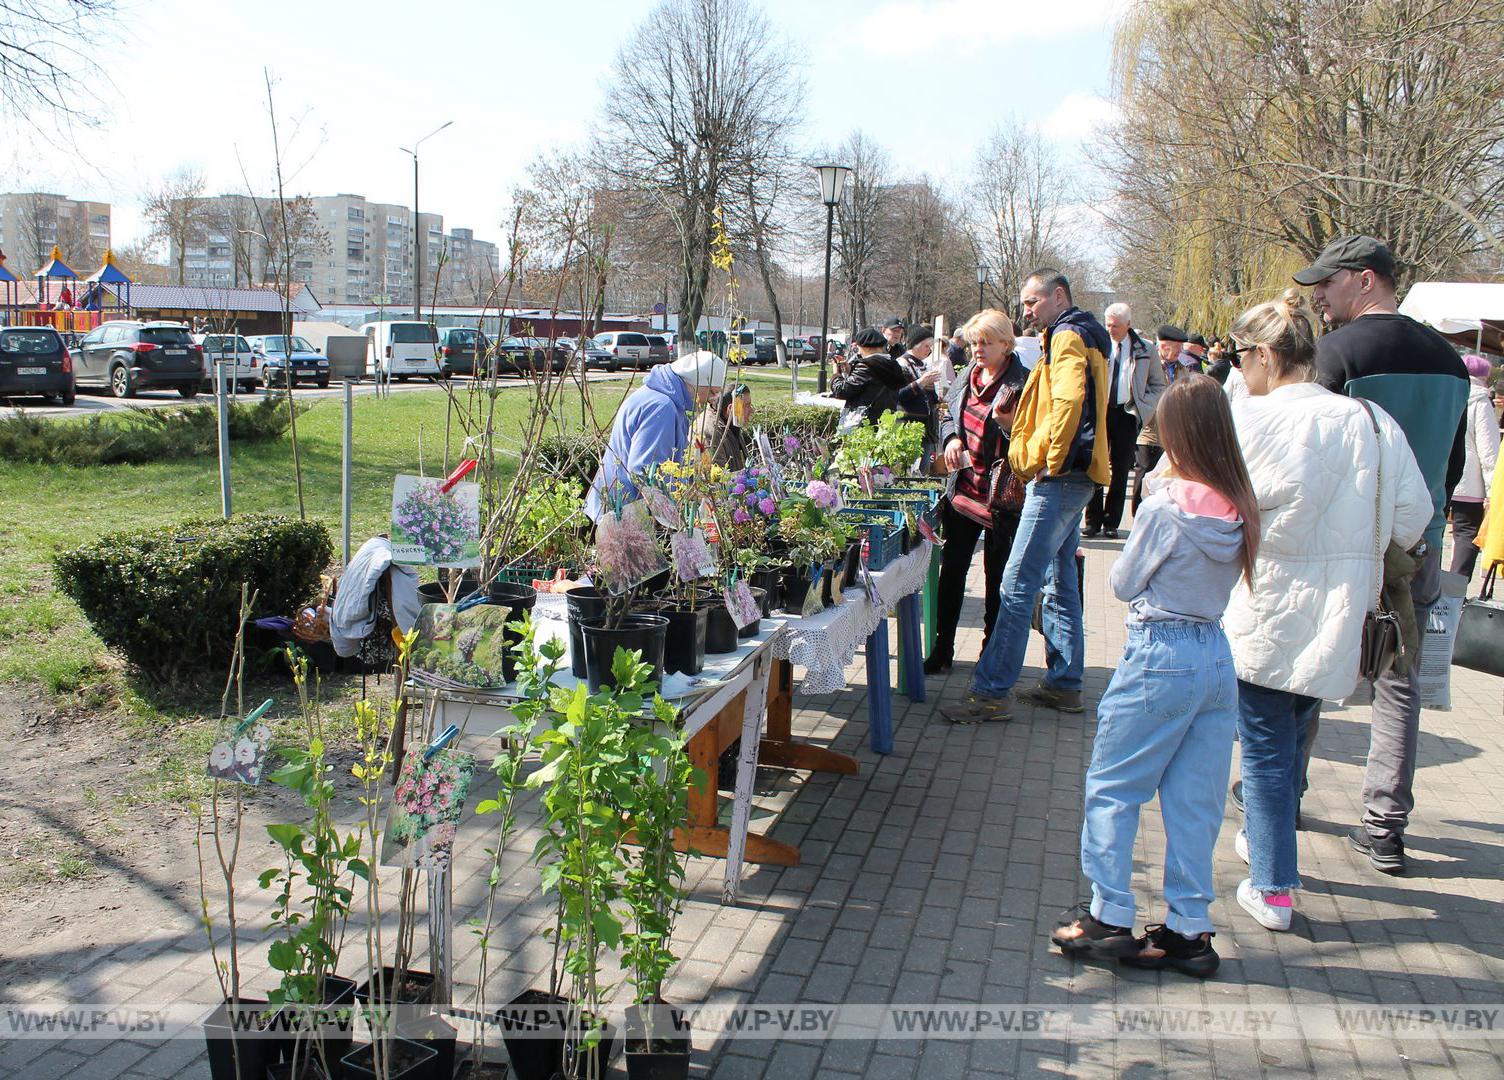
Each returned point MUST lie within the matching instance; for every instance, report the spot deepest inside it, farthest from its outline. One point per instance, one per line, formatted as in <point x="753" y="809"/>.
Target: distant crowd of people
<point x="1288" y="485"/>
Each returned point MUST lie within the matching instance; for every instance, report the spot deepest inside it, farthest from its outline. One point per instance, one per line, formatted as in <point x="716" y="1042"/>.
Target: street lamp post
<point x="983" y="273"/>
<point x="417" y="263"/>
<point x="832" y="182"/>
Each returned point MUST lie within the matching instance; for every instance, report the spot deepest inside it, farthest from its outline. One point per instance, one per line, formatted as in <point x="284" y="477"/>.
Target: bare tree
<point x="45" y="64"/>
<point x="859" y="220"/>
<point x="293" y="235"/>
<point x="1377" y="116"/>
<point x="698" y="95"/>
<point x="1017" y="202"/>
<point x="177" y="213"/>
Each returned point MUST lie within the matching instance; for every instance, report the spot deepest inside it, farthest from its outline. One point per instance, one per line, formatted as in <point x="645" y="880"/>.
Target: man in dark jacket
<point x="893" y="333"/>
<point x="1413" y="374"/>
<point x="873" y="379"/>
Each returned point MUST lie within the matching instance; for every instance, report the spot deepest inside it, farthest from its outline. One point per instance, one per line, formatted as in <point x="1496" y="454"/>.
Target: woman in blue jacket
<point x="652" y="424"/>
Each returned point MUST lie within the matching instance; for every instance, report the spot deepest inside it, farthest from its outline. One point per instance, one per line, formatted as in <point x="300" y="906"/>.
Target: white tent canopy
<point x="1455" y="307"/>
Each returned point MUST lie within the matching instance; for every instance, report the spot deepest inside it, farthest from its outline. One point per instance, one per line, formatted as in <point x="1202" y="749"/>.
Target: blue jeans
<point x="1165" y="724"/>
<point x="1043" y="555"/>
<point x="1272" y="731"/>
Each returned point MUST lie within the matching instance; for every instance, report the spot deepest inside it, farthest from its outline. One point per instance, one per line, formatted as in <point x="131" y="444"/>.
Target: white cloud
<point x="967" y="27"/>
<point x="1079" y="115"/>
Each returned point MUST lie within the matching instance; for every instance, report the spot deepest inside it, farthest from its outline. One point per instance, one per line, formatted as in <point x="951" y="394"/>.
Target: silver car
<point x="237" y="356"/>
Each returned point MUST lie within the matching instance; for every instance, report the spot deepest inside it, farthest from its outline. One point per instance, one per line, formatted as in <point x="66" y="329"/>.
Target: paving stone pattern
<point x="933" y="876"/>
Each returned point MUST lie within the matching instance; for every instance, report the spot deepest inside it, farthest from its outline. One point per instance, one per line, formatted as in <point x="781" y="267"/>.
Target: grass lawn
<point x="45" y="643"/>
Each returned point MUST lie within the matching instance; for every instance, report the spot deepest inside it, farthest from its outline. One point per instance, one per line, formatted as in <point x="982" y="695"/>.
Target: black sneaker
<point x="937" y="664"/>
<point x="1237" y="795"/>
<point x="1109" y="534"/>
<point x="1090" y="531"/>
<point x="1192" y="956"/>
<point x="1387" y="854"/>
<point x="1097" y="938"/>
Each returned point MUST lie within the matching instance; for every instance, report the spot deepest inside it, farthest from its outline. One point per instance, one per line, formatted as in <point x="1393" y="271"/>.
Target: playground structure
<point x="60" y="300"/>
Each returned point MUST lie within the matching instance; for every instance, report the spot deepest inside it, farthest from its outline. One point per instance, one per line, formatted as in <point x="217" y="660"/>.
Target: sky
<point x="183" y="87"/>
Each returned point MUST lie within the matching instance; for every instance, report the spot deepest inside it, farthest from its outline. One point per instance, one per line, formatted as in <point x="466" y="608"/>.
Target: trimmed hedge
<point x="168" y="598"/>
<point x="776" y="414"/>
<point x="138" y="436"/>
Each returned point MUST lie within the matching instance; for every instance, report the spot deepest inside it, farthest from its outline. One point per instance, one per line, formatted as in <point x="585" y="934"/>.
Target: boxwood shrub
<point x="168" y="598"/>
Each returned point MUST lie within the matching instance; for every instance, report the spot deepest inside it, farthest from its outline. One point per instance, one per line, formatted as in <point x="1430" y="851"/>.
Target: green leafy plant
<point x="167" y="597"/>
<point x="548" y="535"/>
<point x="812" y="532"/>
<point x="313" y="886"/>
<point x="892" y="443"/>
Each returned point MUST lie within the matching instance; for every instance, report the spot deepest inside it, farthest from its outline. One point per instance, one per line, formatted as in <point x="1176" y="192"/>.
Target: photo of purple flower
<point x="435" y="528"/>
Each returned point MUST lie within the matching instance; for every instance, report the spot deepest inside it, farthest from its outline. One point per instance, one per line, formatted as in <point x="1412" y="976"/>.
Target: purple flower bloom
<point x="767" y="506"/>
<point x="791" y="444"/>
<point x="738" y="488"/>
<point x="822" y="494"/>
<point x="740" y="516"/>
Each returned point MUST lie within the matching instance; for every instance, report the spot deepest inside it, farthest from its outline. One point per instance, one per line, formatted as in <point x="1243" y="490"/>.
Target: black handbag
<point x="1381" y="644"/>
<point x="1480" y="634"/>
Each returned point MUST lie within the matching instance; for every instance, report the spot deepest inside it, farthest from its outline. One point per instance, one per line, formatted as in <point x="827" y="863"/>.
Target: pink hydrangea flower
<point x="767" y="506"/>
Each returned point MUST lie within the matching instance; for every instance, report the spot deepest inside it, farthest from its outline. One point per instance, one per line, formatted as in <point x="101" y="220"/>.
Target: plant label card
<point x="926" y="530"/>
<point x="426" y="807"/>
<point x="709" y="524"/>
<point x="460" y="649"/>
<point x="242" y="757"/>
<point x="741" y="605"/>
<point x="869" y="585"/>
<point x="692" y="558"/>
<point x="432" y="527"/>
<point x="813" y="604"/>
<point x="775" y="474"/>
<point x="864" y="480"/>
<point x="662" y="508"/>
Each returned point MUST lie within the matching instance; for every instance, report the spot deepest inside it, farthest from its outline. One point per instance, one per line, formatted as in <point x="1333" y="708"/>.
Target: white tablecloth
<point x="824" y="644"/>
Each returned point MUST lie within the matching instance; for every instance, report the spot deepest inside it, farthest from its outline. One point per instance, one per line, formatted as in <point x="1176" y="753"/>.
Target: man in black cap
<point x="893" y="331"/>
<point x="1173" y="353"/>
<point x="1414" y="375"/>
<point x="1196" y="346"/>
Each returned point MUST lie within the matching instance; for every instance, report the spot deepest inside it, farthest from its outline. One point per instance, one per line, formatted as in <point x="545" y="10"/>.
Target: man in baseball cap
<point x="1349" y="253"/>
<point x="893" y="331"/>
<point x="1413" y="374"/>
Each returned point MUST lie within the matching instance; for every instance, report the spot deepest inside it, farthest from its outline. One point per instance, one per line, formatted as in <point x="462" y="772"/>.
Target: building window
<point x="355" y="213"/>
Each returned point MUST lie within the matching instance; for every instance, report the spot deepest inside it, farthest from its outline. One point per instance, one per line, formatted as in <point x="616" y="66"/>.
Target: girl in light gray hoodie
<point x="1167" y="720"/>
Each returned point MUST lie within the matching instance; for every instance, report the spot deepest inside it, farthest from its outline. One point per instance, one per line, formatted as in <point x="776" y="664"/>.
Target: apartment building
<point x="348" y="249"/>
<point x="32" y="222"/>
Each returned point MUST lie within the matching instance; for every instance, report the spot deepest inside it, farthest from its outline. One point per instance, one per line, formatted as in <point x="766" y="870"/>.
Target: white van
<point x="401" y="350"/>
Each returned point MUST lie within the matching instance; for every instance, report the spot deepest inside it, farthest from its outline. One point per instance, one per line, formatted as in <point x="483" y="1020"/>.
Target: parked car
<point x="511" y="356"/>
<point x="128" y="356"/>
<point x="760" y="347"/>
<point x="630" y="349"/>
<point x="542" y="347"/>
<point x="459" y="346"/>
<point x="237" y="356"/>
<point x="658" y="349"/>
<point x="287" y="361"/>
<point x="34" y="360"/>
<point x="401" y="349"/>
<point x="594" y="355"/>
<point x="799" y="350"/>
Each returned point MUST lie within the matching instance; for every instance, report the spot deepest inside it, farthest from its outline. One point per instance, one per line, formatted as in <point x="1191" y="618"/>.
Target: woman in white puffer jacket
<point x="1296" y="632"/>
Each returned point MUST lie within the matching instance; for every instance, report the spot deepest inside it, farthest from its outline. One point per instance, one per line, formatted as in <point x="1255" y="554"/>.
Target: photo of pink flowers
<point x="432" y="527"/>
<point x="241" y="758"/>
<point x="426" y="807"/>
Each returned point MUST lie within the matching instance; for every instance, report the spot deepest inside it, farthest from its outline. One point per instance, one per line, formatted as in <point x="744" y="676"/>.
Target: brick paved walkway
<point x="933" y="876"/>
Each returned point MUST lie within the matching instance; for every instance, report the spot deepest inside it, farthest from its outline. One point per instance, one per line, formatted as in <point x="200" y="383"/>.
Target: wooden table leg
<point x="911" y="670"/>
<point x="779" y="747"/>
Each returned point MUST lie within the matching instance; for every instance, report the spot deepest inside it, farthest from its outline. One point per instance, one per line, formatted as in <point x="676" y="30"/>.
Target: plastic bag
<point x="1433" y="672"/>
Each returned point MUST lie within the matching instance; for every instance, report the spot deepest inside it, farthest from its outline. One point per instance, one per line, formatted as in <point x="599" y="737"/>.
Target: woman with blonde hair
<point x="974" y="439"/>
<point x="1335" y="484"/>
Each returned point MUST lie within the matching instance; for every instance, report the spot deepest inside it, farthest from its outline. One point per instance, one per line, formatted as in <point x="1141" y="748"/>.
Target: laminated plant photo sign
<point x="433" y="527"/>
<point x="241" y="755"/>
<point x="426" y="806"/>
<point x="460" y="650"/>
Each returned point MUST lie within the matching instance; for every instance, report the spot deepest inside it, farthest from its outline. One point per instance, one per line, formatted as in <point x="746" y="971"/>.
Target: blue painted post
<point x="879" y="692"/>
<point x="910" y="636"/>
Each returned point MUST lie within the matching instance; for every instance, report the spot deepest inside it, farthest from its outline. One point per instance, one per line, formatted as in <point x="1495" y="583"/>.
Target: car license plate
<point x="31" y="371"/>
<point x="176" y="352"/>
<point x="305" y="371"/>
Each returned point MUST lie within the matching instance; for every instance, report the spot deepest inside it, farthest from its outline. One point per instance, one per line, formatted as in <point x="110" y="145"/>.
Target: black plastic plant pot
<point x="644" y="633"/>
<point x="684" y="651"/>
<point x="583" y="603"/>
<point x="416" y="988"/>
<point x="435" y="592"/>
<point x="333" y="1024"/>
<point x="795" y="588"/>
<point x="720" y="629"/>
<point x="827" y="574"/>
<point x="309" y="1067"/>
<point x="251" y="1035"/>
<point x="536" y="1027"/>
<point x="753" y="628"/>
<point x="768" y="581"/>
<point x="405" y="1059"/>
<point x="433" y="1032"/>
<point x="518" y="600"/>
<point x="666" y="1057"/>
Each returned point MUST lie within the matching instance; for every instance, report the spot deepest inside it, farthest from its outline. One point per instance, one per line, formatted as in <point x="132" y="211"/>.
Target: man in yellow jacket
<point x="1059" y="444"/>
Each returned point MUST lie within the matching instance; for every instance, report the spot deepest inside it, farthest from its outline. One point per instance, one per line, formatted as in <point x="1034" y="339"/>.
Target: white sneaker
<point x="1273" y="909"/>
<point x="1240" y="845"/>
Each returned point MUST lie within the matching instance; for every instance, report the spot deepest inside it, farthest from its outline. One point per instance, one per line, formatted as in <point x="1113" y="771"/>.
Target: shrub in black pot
<point x="169" y="598"/>
<point x="320" y="1033"/>
<point x="795" y="585"/>
<point x="518" y="600"/>
<point x="720" y="629"/>
<point x="404" y="1059"/>
<point x="250" y="1034"/>
<point x="769" y="581"/>
<point x="637" y="631"/>
<point x="536" y="1026"/>
<point x="666" y="1056"/>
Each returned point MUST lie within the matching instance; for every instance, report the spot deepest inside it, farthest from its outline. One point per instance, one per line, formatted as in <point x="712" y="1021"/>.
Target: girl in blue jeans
<point x="1167" y="720"/>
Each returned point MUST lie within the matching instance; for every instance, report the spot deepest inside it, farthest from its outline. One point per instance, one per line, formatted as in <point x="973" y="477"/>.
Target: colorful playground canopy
<point x="55" y="267"/>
